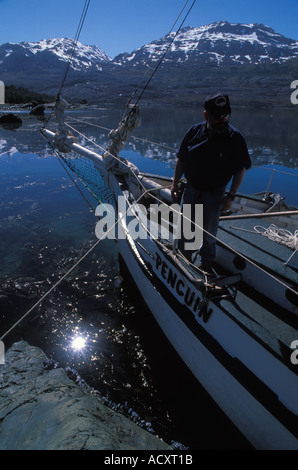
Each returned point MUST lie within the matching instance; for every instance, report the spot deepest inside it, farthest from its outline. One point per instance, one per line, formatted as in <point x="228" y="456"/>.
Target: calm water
<point x="46" y="225"/>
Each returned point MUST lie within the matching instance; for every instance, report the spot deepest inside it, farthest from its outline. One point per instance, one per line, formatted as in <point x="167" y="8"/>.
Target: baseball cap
<point x="218" y="105"/>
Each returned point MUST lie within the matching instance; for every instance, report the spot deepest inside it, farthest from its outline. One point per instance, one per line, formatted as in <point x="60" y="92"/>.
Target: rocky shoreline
<point x="43" y="408"/>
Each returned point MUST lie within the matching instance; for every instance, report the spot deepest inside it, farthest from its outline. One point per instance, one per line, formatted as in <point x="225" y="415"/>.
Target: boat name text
<point x="180" y="287"/>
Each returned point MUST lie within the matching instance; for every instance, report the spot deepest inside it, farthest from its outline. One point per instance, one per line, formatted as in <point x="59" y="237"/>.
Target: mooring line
<point x="50" y="290"/>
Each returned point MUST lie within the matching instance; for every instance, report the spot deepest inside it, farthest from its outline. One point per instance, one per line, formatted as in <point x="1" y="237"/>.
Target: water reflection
<point x="271" y="134"/>
<point x="11" y="126"/>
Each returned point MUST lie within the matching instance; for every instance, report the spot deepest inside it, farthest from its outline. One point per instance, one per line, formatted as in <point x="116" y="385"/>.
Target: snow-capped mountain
<point x="51" y="53"/>
<point x="219" y="43"/>
<point x="252" y="61"/>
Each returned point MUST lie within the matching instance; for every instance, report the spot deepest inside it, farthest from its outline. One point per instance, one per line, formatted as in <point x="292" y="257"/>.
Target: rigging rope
<point x="50" y="290"/>
<point x="77" y="35"/>
<point x="109" y="130"/>
<point x="279" y="235"/>
<point x="167" y="49"/>
<point x="64" y="161"/>
<point x="139" y="86"/>
<point x="176" y="21"/>
<point x="79" y="29"/>
<point x="174" y="149"/>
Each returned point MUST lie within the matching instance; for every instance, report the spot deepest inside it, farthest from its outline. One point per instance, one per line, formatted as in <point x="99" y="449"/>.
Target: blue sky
<point x="124" y="25"/>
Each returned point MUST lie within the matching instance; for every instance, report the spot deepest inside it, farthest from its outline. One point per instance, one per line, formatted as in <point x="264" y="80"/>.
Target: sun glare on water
<point x="78" y="343"/>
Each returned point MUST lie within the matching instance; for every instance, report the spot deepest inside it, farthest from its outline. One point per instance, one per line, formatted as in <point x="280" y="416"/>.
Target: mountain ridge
<point x="61" y="48"/>
<point x="236" y="55"/>
<point x="227" y="42"/>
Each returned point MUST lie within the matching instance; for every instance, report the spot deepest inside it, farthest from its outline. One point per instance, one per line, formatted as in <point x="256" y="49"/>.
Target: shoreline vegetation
<point x="27" y="97"/>
<point x="21" y="95"/>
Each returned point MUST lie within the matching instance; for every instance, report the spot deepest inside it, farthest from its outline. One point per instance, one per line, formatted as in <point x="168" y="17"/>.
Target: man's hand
<point x="175" y="192"/>
<point x="226" y="203"/>
<point x="179" y="169"/>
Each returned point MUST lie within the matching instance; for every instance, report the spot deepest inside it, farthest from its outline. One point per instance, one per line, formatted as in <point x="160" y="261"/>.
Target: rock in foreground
<point x="43" y="409"/>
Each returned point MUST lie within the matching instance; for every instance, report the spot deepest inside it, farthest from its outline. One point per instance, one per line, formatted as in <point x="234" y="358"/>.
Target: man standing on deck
<point x="211" y="153"/>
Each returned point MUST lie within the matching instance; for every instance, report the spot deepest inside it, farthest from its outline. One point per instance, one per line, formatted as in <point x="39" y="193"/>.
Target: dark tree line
<point x="20" y="95"/>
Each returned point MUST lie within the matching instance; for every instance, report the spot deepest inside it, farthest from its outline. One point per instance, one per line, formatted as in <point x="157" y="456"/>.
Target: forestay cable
<point x="166" y="51"/>
<point x="80" y="26"/>
<point x="139" y="86"/>
<point x="77" y="35"/>
<point x="51" y="289"/>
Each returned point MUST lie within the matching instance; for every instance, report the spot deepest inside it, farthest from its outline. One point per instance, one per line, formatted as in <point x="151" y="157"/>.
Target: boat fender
<point x="239" y="263"/>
